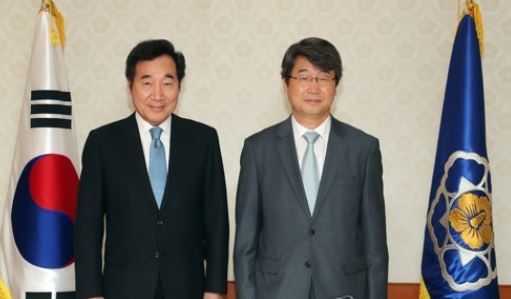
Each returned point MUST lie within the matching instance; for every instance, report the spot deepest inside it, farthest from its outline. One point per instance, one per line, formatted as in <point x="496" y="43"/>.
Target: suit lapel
<point x="287" y="153"/>
<point x="180" y="144"/>
<point x="336" y="150"/>
<point x="130" y="142"/>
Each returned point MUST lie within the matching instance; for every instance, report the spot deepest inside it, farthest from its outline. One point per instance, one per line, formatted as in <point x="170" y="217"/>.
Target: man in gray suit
<point x="310" y="214"/>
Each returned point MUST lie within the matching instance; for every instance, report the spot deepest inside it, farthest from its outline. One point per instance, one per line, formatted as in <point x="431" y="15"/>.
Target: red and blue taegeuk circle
<point x="44" y="211"/>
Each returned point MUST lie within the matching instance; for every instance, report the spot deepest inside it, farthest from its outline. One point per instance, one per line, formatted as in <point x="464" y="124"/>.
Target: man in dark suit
<point x="310" y="215"/>
<point x="156" y="181"/>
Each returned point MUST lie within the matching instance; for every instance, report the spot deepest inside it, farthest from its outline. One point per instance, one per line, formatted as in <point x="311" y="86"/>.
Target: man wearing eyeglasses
<point x="310" y="214"/>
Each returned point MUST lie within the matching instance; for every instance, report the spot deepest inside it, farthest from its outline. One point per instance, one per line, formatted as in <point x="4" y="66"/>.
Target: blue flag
<point x="459" y="253"/>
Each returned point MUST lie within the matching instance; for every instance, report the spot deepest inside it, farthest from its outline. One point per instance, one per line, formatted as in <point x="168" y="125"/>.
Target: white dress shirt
<point x="319" y="146"/>
<point x="146" y="139"/>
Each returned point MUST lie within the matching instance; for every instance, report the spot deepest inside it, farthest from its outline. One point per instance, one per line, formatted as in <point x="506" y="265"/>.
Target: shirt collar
<point x="144" y="126"/>
<point x="323" y="129"/>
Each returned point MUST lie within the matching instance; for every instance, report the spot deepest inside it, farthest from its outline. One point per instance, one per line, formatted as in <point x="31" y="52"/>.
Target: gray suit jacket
<point x="280" y="249"/>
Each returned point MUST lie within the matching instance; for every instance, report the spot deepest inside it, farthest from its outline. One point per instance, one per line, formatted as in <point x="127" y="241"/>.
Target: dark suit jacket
<point x="142" y="241"/>
<point x="280" y="248"/>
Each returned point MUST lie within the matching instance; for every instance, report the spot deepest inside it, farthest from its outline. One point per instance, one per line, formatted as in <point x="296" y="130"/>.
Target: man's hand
<point x="213" y="296"/>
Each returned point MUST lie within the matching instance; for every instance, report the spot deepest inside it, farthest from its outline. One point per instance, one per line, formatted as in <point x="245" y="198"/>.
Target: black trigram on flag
<point x="60" y="295"/>
<point x="50" y="109"/>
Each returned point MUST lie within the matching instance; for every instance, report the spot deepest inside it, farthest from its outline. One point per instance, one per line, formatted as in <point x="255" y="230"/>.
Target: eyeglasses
<point x="306" y="79"/>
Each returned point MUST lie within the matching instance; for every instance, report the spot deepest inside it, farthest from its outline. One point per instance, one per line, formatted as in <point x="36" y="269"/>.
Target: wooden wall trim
<point x="231" y="290"/>
<point x="396" y="290"/>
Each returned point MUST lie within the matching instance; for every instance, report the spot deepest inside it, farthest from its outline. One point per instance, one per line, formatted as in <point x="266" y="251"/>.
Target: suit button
<point x="312" y="232"/>
<point x="308" y="264"/>
<point x="156" y="254"/>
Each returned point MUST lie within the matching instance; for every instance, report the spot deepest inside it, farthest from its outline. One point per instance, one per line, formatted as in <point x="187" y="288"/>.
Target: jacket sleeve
<point x="247" y="225"/>
<point x="374" y="227"/>
<point x="216" y="220"/>
<point x="89" y="223"/>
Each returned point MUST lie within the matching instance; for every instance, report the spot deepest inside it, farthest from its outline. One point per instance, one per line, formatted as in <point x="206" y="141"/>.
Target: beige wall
<point x="395" y="54"/>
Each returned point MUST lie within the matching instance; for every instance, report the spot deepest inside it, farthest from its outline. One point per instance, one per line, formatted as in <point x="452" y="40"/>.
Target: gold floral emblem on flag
<point x="472" y="219"/>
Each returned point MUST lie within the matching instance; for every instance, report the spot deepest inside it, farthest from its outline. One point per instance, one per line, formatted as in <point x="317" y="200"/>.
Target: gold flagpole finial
<point x="467" y="10"/>
<point x="45" y="5"/>
<point x="59" y="35"/>
<point x="474" y="11"/>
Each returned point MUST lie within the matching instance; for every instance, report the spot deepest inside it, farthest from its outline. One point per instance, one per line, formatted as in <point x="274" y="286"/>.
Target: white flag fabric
<point x="37" y="232"/>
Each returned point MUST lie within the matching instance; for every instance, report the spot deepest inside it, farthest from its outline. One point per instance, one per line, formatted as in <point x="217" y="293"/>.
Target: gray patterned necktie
<point x="310" y="173"/>
<point x="157" y="165"/>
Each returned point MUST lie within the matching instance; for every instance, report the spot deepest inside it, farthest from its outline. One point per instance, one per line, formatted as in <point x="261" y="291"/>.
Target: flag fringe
<point x="423" y="291"/>
<point x="4" y="291"/>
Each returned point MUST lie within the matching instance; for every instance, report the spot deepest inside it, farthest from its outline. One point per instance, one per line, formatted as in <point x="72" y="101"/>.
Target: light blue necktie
<point x="157" y="165"/>
<point x="310" y="173"/>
